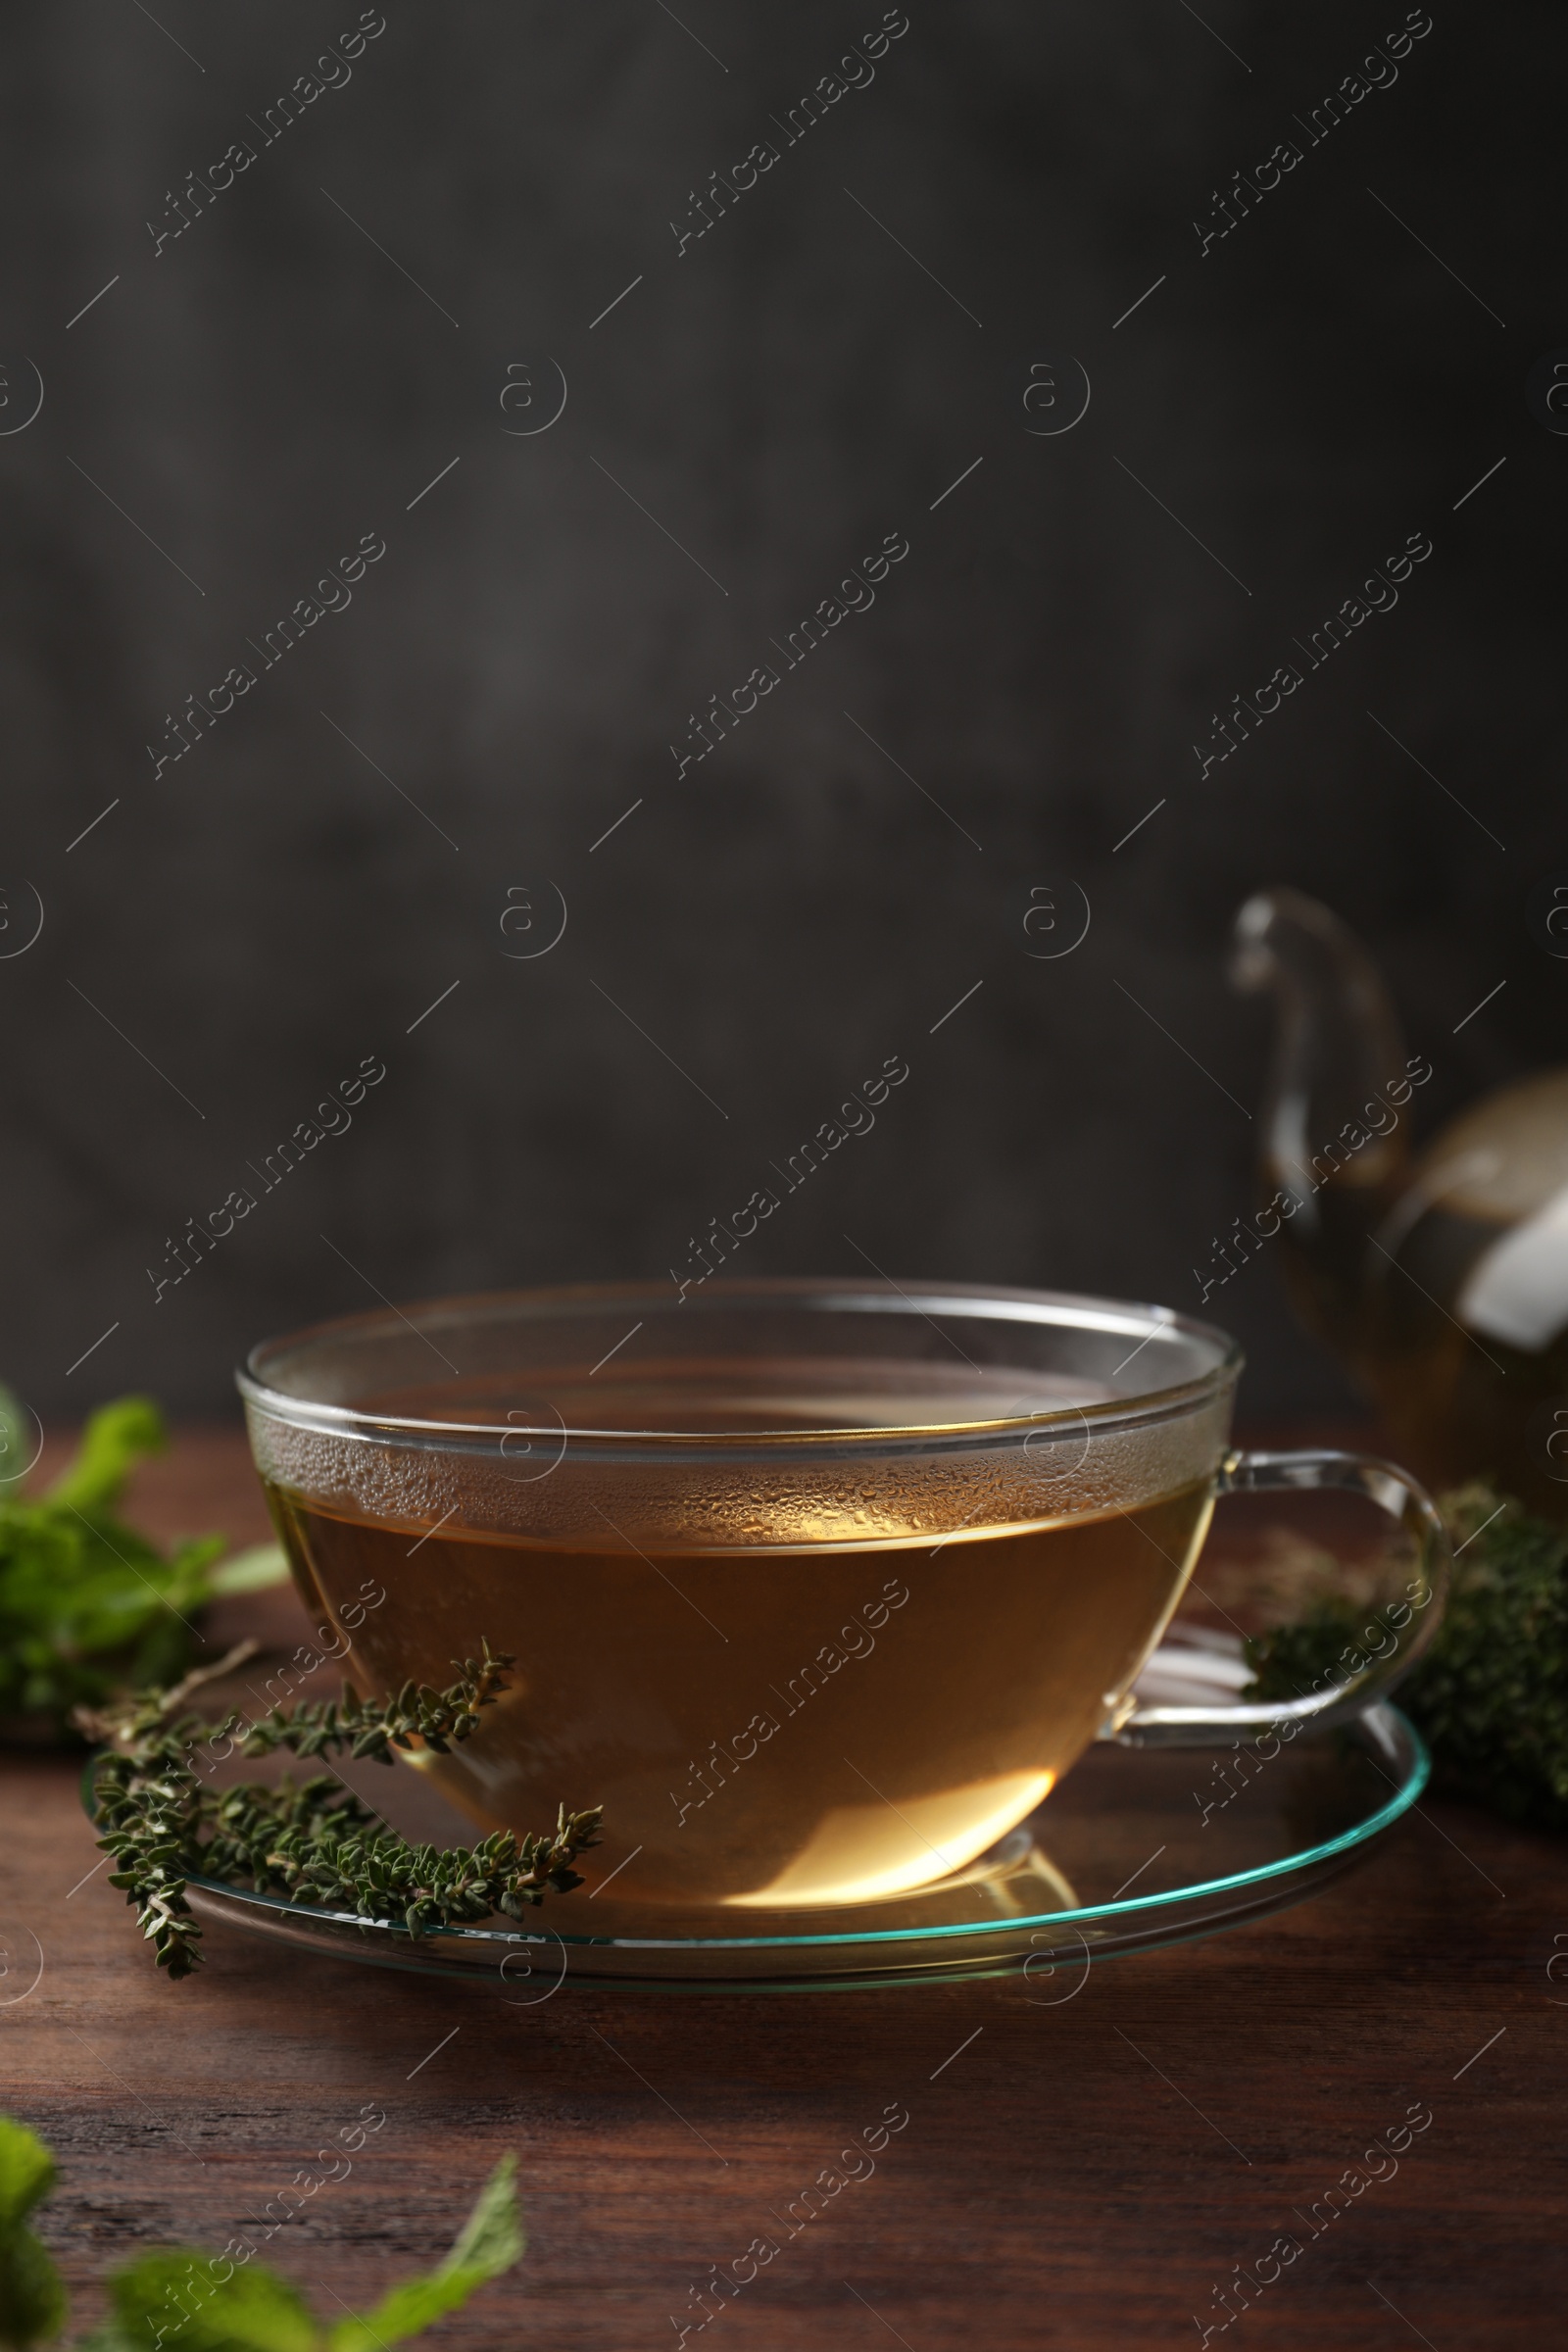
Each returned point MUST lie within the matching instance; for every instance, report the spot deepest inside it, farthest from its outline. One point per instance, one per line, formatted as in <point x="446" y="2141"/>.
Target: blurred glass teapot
<point x="1440" y="1277"/>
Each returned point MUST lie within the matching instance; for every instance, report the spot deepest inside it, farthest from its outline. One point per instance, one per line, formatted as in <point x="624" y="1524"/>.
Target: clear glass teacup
<point x="816" y="1587"/>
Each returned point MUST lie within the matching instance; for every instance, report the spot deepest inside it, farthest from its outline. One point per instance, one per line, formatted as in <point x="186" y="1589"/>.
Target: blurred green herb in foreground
<point x="1491" y="1697"/>
<point x="88" y="1607"/>
<point x="213" y="2303"/>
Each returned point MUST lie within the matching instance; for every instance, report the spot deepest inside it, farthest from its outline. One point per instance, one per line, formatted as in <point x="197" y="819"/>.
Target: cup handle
<point x="1394" y="1637"/>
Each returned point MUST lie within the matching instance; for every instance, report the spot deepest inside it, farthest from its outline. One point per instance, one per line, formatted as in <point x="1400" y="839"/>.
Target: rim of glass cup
<point x="1138" y="1322"/>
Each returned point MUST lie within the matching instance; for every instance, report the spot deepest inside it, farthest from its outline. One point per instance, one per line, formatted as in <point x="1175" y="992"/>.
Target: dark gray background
<point x="791" y="389"/>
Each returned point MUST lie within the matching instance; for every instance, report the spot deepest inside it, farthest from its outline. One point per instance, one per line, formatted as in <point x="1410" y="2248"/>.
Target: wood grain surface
<point x="1081" y="2172"/>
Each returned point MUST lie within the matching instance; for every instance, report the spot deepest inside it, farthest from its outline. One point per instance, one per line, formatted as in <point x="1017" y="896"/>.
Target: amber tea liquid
<point x="801" y="1724"/>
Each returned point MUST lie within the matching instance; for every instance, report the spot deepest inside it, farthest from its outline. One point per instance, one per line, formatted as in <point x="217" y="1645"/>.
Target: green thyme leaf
<point x="1491" y="1697"/>
<point x="314" y="1842"/>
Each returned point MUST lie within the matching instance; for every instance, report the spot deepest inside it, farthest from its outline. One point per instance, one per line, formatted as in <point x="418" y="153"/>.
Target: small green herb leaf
<point x="115" y="1439"/>
<point x="33" y="2301"/>
<point x="181" y="2297"/>
<point x="491" y="2239"/>
<point x="210" y="2303"/>
<point x="26" y="2171"/>
<point x="490" y="2242"/>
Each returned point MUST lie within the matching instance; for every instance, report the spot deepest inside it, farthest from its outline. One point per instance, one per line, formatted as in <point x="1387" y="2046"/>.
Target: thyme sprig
<point x="1491" y="1697"/>
<point x="312" y="1841"/>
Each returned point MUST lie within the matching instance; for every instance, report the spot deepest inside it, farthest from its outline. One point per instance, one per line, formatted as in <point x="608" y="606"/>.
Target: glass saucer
<point x="1138" y="1847"/>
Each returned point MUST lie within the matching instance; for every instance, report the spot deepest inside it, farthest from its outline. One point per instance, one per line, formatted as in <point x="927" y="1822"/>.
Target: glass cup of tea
<point x="816" y="1587"/>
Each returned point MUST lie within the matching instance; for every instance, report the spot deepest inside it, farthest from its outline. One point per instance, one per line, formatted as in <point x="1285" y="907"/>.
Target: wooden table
<point x="1081" y="2176"/>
